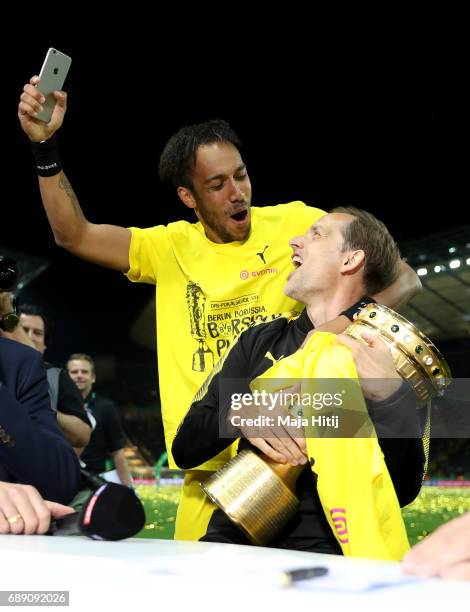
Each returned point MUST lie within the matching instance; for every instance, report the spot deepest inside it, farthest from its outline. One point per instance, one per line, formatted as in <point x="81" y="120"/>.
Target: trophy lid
<point x="416" y="358"/>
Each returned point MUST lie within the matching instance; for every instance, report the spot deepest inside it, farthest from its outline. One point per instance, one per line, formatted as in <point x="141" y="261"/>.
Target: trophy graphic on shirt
<point x="203" y="357"/>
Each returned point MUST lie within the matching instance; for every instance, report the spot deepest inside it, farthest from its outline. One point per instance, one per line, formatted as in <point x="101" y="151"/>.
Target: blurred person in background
<point x="108" y="439"/>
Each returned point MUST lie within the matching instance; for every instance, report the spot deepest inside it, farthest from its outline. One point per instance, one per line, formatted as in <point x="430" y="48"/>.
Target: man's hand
<point x="374" y="364"/>
<point x="281" y="443"/>
<point x="445" y="553"/>
<point x="6" y="303"/>
<point x="31" y="101"/>
<point x="23" y="510"/>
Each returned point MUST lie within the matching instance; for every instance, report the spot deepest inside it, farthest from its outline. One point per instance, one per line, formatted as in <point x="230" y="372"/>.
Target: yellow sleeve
<point x="148" y="249"/>
<point x="303" y="216"/>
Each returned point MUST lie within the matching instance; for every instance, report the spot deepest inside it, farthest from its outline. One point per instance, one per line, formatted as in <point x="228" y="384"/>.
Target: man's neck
<point x="323" y="307"/>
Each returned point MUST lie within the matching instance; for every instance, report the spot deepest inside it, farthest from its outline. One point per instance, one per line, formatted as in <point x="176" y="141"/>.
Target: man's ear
<point x="186" y="197"/>
<point x="353" y="260"/>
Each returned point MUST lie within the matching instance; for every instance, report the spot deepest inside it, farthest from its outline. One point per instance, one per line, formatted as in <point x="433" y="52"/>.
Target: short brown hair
<point x="83" y="357"/>
<point x="382" y="255"/>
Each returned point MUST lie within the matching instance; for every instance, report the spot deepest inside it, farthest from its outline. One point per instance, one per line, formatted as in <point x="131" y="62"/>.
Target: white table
<point x="147" y="574"/>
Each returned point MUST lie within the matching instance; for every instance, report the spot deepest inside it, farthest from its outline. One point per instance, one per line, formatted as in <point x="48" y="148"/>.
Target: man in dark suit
<point x="31" y="328"/>
<point x="33" y="450"/>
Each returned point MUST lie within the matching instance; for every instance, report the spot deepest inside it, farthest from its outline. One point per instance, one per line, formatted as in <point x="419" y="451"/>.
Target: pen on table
<point x="306" y="573"/>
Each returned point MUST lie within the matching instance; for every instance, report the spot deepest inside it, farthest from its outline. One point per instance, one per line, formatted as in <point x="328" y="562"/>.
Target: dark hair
<point x="178" y="158"/>
<point x="366" y="232"/>
<point x="36" y="311"/>
<point x="82" y="357"/>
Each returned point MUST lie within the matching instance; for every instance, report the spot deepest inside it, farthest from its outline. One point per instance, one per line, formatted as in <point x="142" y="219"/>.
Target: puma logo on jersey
<point x="262" y="254"/>
<point x="273" y="359"/>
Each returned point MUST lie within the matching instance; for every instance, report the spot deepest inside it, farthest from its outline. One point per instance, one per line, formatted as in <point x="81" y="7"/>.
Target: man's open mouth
<point x="240" y="216"/>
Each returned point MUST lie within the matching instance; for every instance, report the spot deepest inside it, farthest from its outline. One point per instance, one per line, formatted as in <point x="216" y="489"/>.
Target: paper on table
<point x="354" y="578"/>
<point x="111" y="476"/>
<point x="225" y="565"/>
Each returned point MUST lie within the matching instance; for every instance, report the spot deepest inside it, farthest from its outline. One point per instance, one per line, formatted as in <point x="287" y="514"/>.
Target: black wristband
<point x="46" y="156"/>
<point x="354" y="310"/>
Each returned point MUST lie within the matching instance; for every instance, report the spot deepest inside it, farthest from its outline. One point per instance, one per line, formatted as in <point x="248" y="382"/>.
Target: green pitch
<point x="434" y="506"/>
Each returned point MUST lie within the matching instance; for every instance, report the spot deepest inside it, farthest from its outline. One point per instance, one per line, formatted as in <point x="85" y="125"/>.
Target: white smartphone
<point x="52" y="77"/>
